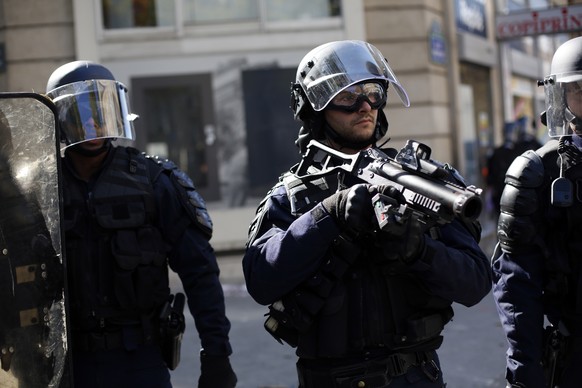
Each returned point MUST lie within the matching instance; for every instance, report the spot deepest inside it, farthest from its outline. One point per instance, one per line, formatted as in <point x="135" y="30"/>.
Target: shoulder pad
<point x="190" y="198"/>
<point x="527" y="170"/>
<point x="520" y="203"/>
<point x="260" y="213"/>
<point x="523" y="178"/>
<point x="521" y="217"/>
<point x="166" y="164"/>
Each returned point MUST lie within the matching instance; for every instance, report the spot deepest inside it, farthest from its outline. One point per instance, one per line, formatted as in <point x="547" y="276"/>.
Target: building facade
<point x="210" y="79"/>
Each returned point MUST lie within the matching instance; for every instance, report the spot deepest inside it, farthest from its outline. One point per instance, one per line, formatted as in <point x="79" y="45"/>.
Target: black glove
<point x="404" y="242"/>
<point x="352" y="208"/>
<point x="216" y="372"/>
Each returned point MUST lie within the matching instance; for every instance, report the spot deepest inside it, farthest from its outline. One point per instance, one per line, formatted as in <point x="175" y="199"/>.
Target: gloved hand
<point x="404" y="242"/>
<point x="216" y="372"/>
<point x="352" y="208"/>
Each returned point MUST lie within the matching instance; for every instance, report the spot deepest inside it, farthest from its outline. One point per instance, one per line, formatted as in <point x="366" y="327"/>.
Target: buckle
<point x="378" y="379"/>
<point x="430" y="370"/>
<point x="396" y="365"/>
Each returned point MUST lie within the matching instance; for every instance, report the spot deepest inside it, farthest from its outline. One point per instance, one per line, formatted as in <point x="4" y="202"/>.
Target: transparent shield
<point x="555" y="111"/>
<point x="93" y="109"/>
<point x="563" y="95"/>
<point x="33" y="330"/>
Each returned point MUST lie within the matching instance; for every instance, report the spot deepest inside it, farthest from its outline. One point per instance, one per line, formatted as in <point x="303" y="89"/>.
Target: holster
<point x="555" y="352"/>
<point x="172" y="327"/>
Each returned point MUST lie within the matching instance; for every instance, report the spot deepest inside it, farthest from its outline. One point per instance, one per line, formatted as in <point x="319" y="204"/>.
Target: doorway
<point x="177" y="122"/>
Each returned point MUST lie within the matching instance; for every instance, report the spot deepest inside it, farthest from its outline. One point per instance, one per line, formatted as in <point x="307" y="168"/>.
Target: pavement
<point x="472" y="355"/>
<point x="230" y="226"/>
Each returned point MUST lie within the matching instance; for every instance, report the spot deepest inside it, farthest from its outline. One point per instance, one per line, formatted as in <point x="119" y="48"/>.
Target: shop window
<point x="137" y="13"/>
<point x="220" y="11"/>
<point x="301" y="9"/>
<point x="217" y="11"/>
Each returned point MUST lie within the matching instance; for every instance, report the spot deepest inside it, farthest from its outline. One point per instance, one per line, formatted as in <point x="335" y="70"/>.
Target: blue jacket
<point x="288" y="250"/>
<point x="185" y="244"/>
<point x="536" y="265"/>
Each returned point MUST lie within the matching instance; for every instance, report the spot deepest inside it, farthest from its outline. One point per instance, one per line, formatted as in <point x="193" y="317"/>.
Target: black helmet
<point x="327" y="70"/>
<point x="565" y="76"/>
<point x="91" y="104"/>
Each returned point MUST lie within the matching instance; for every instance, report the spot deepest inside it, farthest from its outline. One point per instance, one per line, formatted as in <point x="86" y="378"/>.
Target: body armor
<point x="526" y="206"/>
<point x="335" y="312"/>
<point x="124" y="274"/>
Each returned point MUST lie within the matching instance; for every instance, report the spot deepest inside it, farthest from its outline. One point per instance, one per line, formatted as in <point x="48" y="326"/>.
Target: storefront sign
<point x="471" y="17"/>
<point x="550" y="21"/>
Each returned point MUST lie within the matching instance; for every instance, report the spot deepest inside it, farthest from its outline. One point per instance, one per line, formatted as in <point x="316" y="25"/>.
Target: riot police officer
<point x="363" y="308"/>
<point x="537" y="261"/>
<point x="127" y="218"/>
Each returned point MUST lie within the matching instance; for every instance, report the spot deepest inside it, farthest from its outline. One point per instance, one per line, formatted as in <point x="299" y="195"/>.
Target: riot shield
<point x="33" y="321"/>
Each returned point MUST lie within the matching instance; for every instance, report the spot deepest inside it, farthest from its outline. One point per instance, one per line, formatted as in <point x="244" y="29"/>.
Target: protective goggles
<point x="351" y="98"/>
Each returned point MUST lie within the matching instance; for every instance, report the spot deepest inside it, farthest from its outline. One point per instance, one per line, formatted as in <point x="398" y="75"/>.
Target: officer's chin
<point x="92" y="147"/>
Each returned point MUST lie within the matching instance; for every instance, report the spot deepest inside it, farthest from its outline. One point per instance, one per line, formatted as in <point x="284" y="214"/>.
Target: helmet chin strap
<point x="354" y="145"/>
<point x="78" y="149"/>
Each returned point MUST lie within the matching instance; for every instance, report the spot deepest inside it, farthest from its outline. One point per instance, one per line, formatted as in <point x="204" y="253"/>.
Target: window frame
<point x="181" y="29"/>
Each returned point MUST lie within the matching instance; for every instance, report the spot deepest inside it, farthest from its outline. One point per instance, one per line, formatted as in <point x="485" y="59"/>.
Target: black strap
<point x="377" y="372"/>
<point x="127" y="337"/>
<point x="399" y="363"/>
<point x="95" y="341"/>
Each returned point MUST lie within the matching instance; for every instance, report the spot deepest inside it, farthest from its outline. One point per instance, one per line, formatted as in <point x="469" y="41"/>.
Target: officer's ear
<point x="543" y="118"/>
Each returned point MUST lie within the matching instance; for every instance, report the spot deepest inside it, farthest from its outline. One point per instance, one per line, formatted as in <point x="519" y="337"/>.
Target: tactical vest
<point x="116" y="257"/>
<point x="355" y="302"/>
<point x="530" y="222"/>
<point x="564" y="225"/>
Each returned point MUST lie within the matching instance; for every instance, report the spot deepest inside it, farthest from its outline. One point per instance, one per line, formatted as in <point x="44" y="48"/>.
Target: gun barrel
<point x="430" y="194"/>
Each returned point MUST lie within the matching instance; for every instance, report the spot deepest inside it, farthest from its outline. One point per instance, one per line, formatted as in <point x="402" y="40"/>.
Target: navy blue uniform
<point x="123" y="229"/>
<point x="536" y="265"/>
<point x="368" y="310"/>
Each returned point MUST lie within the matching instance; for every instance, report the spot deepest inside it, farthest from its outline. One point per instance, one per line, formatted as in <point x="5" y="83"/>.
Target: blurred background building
<point x="210" y="78"/>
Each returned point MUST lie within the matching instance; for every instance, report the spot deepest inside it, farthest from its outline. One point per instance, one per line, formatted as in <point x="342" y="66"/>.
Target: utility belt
<point x="167" y="333"/>
<point x="377" y="373"/>
<point x="123" y="337"/>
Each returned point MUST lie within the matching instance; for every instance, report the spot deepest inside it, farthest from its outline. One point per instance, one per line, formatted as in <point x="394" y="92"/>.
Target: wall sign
<point x="437" y="44"/>
<point x="471" y="17"/>
<point x="550" y="21"/>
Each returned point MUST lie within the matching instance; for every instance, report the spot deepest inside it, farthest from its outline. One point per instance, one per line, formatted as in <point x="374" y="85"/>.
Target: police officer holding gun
<point x="536" y="265"/>
<point x="364" y="307"/>
<point x="127" y="218"/>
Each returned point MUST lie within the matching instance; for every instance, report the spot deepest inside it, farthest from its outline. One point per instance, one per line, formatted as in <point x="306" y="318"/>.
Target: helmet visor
<point x="330" y="68"/>
<point x="563" y="94"/>
<point x="93" y="109"/>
